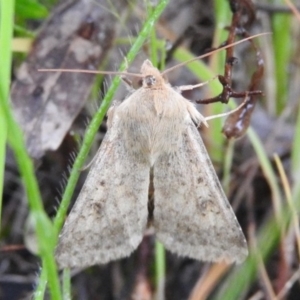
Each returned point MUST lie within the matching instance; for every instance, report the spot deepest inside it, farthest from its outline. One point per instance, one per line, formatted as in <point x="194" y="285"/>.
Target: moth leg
<point x="192" y="87"/>
<point x="128" y="83"/>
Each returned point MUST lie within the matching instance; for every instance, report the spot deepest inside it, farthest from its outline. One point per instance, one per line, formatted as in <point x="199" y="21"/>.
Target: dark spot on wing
<point x="38" y="91"/>
<point x="87" y="28"/>
<point x="97" y="208"/>
<point x="204" y="205"/>
<point x="209" y="206"/>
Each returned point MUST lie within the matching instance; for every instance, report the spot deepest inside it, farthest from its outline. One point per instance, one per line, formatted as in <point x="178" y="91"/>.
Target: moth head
<point x="149" y="81"/>
<point x="152" y="78"/>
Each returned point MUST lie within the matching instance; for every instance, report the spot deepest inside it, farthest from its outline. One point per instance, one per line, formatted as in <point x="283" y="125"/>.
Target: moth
<point x="152" y="133"/>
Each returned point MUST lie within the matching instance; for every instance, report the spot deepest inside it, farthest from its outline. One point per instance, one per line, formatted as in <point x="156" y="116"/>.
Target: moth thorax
<point x="149" y="81"/>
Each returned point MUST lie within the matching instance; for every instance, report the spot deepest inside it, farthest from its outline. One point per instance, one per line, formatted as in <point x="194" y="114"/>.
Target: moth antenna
<point x="229" y="112"/>
<point x="92" y="72"/>
<point x="212" y="52"/>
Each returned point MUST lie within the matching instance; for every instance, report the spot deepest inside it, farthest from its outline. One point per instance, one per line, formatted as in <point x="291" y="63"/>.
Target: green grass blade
<point x="43" y="225"/>
<point x="66" y="285"/>
<point x="3" y="137"/>
<point x="295" y="155"/>
<point x="222" y="15"/>
<point x="160" y="269"/>
<point x="281" y="26"/>
<point x="6" y="21"/>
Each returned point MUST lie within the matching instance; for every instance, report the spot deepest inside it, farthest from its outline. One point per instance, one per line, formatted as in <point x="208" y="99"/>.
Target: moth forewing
<point x="197" y="221"/>
<point x="108" y="220"/>
<point x="151" y="130"/>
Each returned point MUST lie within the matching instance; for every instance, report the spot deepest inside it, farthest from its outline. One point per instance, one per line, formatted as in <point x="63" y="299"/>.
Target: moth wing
<point x="192" y="216"/>
<point x="110" y="214"/>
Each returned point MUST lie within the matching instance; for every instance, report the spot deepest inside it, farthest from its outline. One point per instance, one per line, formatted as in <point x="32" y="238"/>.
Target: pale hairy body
<point x="153" y="130"/>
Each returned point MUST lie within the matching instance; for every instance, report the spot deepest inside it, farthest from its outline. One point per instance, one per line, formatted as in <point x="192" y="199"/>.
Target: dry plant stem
<point x="11" y="248"/>
<point x="253" y="244"/>
<point x="294" y="9"/>
<point x="236" y="125"/>
<point x="283" y="266"/>
<point x="288" y="285"/>
<point x="274" y="9"/>
<point x="283" y="272"/>
<point x="288" y="194"/>
<point x="142" y="288"/>
<point x="265" y="278"/>
<point x="257" y="296"/>
<point x="209" y="281"/>
<point x="226" y="79"/>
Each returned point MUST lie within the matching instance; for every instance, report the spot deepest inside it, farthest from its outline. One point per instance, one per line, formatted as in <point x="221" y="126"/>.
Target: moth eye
<point x="38" y="91"/>
<point x="140" y="82"/>
<point x="149" y="80"/>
